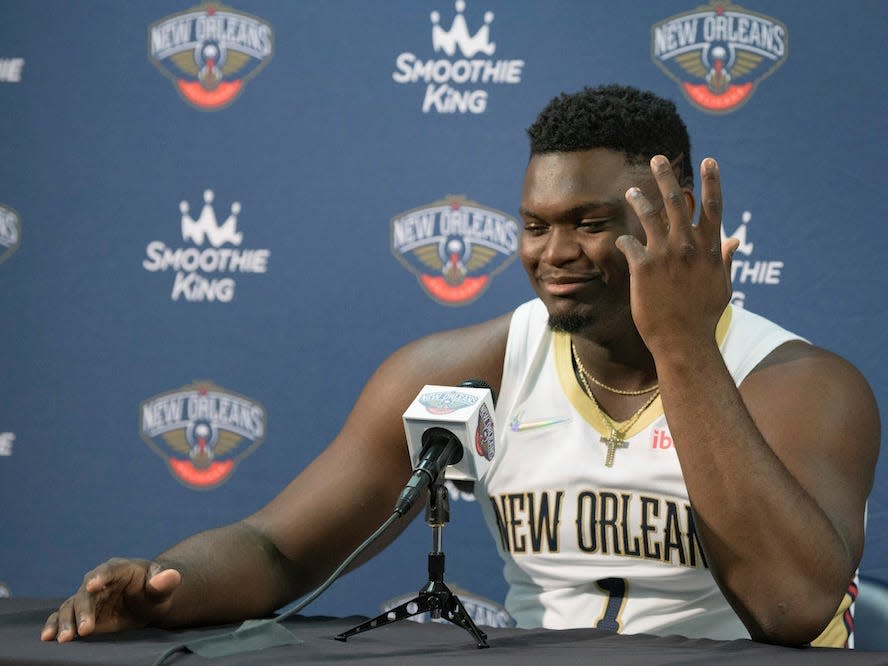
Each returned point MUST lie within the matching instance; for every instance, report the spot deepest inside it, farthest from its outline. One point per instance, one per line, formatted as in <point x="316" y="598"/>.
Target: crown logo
<point x="206" y="225"/>
<point x="458" y="35"/>
<point x="740" y="234"/>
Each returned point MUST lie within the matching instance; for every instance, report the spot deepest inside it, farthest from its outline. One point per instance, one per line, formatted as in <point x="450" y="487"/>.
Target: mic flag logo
<point x="10" y="232"/>
<point x="446" y="402"/>
<point x="202" y="431"/>
<point x="210" y="52"/>
<point x="454" y="247"/>
<point x="484" y="434"/>
<point x="719" y="53"/>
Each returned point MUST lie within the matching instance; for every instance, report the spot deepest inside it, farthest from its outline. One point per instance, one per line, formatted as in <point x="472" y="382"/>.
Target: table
<point x="396" y="645"/>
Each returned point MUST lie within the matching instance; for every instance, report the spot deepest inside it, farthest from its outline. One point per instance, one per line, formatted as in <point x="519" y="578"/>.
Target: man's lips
<point x="561" y="284"/>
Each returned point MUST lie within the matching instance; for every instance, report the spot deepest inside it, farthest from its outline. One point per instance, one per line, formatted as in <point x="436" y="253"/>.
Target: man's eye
<point x="593" y="225"/>
<point x="535" y="229"/>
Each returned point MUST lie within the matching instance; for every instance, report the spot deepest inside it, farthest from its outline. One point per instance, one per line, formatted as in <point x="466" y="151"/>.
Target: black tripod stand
<point x="435" y="598"/>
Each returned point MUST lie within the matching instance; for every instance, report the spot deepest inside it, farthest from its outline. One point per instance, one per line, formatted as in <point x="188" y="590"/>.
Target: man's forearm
<point x="228" y="574"/>
<point x="794" y="558"/>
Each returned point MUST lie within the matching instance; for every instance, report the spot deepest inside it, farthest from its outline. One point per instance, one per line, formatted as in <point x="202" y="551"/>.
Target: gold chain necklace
<point x="617" y="437"/>
<point x="602" y="384"/>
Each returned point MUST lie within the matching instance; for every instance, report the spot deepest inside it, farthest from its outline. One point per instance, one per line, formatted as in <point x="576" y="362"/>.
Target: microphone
<point x="448" y="428"/>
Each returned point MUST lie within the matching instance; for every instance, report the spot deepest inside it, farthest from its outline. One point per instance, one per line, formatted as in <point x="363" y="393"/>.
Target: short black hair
<point x="635" y="122"/>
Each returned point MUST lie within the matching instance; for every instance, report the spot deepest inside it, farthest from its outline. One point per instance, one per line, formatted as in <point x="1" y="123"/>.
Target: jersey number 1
<point x="613" y="608"/>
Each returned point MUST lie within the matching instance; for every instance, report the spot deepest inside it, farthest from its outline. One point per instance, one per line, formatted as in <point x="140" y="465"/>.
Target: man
<point x="772" y="441"/>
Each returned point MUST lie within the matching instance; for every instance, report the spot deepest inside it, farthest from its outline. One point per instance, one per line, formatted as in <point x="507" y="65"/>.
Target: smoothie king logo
<point x="10" y="232"/>
<point x="458" y="84"/>
<point x="210" y="52"/>
<point x="746" y="271"/>
<point x="454" y="247"/>
<point x="718" y="53"/>
<point x="196" y="267"/>
<point x="202" y="432"/>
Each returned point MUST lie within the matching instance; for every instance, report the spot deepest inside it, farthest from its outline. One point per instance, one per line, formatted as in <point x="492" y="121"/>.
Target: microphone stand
<point x="435" y="598"/>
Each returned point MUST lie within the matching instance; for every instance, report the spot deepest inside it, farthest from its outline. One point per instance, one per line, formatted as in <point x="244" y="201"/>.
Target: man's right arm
<point x="252" y="567"/>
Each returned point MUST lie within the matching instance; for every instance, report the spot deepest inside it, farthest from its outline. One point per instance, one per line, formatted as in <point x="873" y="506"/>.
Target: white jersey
<point x="586" y="545"/>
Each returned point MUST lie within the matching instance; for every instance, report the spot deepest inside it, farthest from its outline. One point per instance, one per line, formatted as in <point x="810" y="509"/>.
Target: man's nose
<point x="562" y="245"/>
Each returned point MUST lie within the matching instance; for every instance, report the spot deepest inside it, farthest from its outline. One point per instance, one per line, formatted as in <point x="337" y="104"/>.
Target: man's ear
<point x="690" y="200"/>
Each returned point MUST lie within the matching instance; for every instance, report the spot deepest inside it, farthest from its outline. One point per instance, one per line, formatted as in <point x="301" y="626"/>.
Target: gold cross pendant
<point x="613" y="442"/>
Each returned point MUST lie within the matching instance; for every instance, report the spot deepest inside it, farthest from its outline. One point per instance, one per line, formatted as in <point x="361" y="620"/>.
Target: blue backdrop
<point x="216" y="221"/>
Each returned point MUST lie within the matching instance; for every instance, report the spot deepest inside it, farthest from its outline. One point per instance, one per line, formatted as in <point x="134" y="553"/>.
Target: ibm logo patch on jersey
<point x="719" y="53"/>
<point x="10" y="232"/>
<point x="210" y="52"/>
<point x="454" y="247"/>
<point x="202" y="431"/>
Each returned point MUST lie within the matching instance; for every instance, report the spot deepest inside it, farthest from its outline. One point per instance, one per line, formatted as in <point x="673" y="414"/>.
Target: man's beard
<point x="569" y="322"/>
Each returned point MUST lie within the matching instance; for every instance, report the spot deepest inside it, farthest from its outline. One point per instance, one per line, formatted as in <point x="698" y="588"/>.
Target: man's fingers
<point x="65" y="622"/>
<point x="117" y="594"/>
<point x="162" y="583"/>
<point x="50" y="627"/>
<point x="632" y="248"/>
<point x="103" y="575"/>
<point x="95" y="582"/>
<point x="710" y="198"/>
<point x="649" y="215"/>
<point x="84" y="613"/>
<point x="728" y="247"/>
<point x="674" y="200"/>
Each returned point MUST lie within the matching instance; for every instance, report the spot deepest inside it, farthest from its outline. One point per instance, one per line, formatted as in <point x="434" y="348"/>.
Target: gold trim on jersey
<point x="724" y="323"/>
<point x="583" y="403"/>
<point x="837" y="631"/>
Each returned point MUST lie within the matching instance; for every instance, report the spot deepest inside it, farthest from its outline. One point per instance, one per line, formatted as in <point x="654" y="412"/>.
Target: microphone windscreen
<point x="480" y="383"/>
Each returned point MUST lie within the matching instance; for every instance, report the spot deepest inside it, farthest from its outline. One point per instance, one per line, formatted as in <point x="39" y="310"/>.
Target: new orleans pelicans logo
<point x="454" y="247"/>
<point x="446" y="402"/>
<point x="210" y="52"/>
<point x="10" y="232"/>
<point x="718" y="53"/>
<point x="484" y="435"/>
<point x="202" y="431"/>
